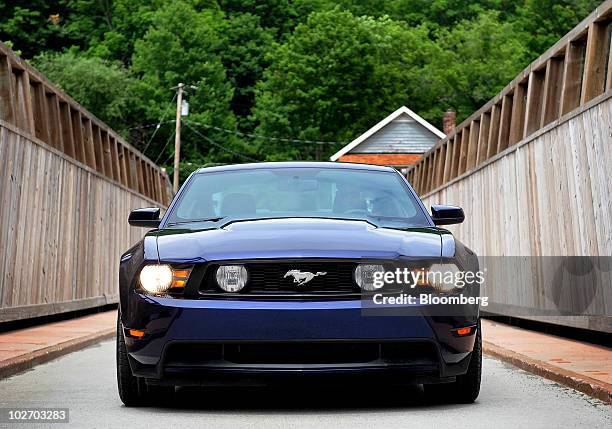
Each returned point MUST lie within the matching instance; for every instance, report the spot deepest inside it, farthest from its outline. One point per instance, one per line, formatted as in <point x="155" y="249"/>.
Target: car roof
<point x="296" y="164"/>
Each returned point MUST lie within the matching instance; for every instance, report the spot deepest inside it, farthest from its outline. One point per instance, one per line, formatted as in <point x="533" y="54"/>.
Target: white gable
<point x="403" y="131"/>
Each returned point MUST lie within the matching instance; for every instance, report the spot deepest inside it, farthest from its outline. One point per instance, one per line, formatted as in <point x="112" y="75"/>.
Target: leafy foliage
<point x="102" y="87"/>
<point x="307" y="69"/>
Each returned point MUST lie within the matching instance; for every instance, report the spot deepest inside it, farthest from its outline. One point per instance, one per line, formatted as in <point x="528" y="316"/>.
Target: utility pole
<point x="177" y="136"/>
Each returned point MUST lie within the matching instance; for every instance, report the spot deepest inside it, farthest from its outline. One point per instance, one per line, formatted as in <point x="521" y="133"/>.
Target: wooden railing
<point x="34" y="105"/>
<point x="569" y="75"/>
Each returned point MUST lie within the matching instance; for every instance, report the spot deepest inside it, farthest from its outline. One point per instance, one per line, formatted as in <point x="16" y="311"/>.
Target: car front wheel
<point x="134" y="391"/>
<point x="465" y="388"/>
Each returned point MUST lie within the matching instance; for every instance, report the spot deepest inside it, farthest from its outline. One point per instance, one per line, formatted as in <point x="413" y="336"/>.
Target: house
<point x="399" y="140"/>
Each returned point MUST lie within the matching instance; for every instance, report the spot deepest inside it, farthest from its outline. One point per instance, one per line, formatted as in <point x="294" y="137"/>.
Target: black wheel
<point x="465" y="388"/>
<point x="133" y="391"/>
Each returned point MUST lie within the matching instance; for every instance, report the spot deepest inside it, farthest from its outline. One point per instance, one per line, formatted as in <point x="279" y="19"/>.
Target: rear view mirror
<point x="447" y="215"/>
<point x="147" y="217"/>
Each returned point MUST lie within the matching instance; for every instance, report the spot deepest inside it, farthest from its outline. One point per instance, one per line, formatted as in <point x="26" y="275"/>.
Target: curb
<point x="26" y="361"/>
<point x="595" y="388"/>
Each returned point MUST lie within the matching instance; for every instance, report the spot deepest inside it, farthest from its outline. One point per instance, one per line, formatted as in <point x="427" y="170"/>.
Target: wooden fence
<point x="67" y="185"/>
<point x="533" y="171"/>
<point x="529" y="211"/>
<point x="573" y="72"/>
<point x="40" y="109"/>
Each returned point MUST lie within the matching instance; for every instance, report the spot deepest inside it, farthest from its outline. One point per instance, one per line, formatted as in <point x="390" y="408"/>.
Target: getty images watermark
<point x="441" y="285"/>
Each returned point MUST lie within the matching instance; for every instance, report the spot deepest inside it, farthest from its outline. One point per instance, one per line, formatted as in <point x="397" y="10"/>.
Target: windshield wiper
<point x="208" y="219"/>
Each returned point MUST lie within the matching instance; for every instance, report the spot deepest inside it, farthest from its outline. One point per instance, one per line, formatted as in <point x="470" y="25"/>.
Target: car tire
<point x="465" y="388"/>
<point x="134" y="391"/>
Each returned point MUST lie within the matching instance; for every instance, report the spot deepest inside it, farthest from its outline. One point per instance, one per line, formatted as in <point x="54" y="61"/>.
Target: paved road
<point x="84" y="382"/>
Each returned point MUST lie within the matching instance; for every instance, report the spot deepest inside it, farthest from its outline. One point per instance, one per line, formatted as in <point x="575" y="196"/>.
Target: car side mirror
<point x="146" y="218"/>
<point x="447" y="215"/>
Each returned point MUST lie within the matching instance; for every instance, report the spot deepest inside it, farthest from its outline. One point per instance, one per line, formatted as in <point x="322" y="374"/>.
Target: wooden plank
<point x="472" y="152"/>
<point x="140" y="166"/>
<point x="133" y="180"/>
<point x="517" y="121"/>
<point x="448" y="161"/>
<point x="53" y="109"/>
<point x="21" y="96"/>
<point x="483" y="137"/>
<point x="25" y="95"/>
<point x="439" y="165"/>
<point x="494" y="129"/>
<point x="465" y="138"/>
<point x="455" y="156"/>
<point x="419" y="178"/>
<point x="7" y="91"/>
<point x="108" y="157"/>
<point x="609" y="77"/>
<point x="533" y="112"/>
<point x="434" y="162"/>
<point x="504" y="124"/>
<point x="572" y="76"/>
<point x="424" y="175"/>
<point x="77" y="134"/>
<point x="151" y="184"/>
<point x="159" y="196"/>
<point x="90" y="151"/>
<point x="594" y="76"/>
<point x="423" y="187"/>
<point x="66" y="125"/>
<point x="115" y="159"/>
<point x="41" y="116"/>
<point x="98" y="150"/>
<point x="552" y="90"/>
<point x="123" y="165"/>
<point x="430" y="173"/>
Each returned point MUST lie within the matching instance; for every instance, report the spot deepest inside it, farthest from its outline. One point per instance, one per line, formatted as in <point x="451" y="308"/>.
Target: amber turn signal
<point x="464" y="331"/>
<point x="180" y="277"/>
<point x="136" y="333"/>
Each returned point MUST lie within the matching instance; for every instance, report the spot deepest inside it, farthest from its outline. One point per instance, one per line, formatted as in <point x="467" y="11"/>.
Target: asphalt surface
<point x="84" y="382"/>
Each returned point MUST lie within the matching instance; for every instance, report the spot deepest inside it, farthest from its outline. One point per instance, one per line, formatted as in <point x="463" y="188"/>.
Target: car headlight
<point x="231" y="278"/>
<point x="364" y="276"/>
<point x="156" y="279"/>
<point x="445" y="278"/>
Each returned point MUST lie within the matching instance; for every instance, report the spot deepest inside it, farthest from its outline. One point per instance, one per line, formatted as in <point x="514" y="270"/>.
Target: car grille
<point x="301" y="353"/>
<point x="268" y="278"/>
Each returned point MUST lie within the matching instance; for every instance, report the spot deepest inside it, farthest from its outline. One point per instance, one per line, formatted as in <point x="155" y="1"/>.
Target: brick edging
<point x="584" y="384"/>
<point x="26" y="361"/>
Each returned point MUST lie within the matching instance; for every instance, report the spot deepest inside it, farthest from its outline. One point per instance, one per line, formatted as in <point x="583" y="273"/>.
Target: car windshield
<point x="381" y="198"/>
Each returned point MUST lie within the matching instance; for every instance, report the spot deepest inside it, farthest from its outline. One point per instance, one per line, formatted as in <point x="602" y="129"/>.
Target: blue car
<point x="305" y="271"/>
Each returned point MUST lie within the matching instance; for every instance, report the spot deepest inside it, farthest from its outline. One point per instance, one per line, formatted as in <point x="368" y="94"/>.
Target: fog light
<point x="364" y="276"/>
<point x="231" y="278"/>
<point x="156" y="279"/>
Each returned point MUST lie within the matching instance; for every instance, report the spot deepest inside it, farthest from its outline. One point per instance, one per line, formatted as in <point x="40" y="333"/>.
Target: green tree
<point x="34" y="26"/>
<point x="105" y="88"/>
<point x="336" y="76"/>
<point x="476" y="60"/>
<point x="183" y="45"/>
<point x="244" y="57"/>
<point x="546" y="21"/>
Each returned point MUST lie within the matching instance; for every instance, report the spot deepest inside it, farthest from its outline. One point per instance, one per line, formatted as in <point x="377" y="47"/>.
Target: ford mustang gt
<point x="304" y="271"/>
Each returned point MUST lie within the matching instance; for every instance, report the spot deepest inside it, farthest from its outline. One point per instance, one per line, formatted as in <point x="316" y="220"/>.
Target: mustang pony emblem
<point x="302" y="277"/>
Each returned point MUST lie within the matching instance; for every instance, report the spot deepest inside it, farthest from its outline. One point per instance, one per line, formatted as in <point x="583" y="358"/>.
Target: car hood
<point x="295" y="238"/>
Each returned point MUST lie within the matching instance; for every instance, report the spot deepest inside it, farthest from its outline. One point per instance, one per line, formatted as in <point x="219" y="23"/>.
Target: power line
<point x="142" y="127"/>
<point x="164" y="148"/>
<point x="260" y="137"/>
<point x="248" y="158"/>
<point x="159" y="124"/>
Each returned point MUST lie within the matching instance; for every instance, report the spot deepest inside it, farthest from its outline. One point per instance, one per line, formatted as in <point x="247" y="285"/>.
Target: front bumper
<point x="194" y="342"/>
